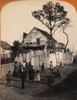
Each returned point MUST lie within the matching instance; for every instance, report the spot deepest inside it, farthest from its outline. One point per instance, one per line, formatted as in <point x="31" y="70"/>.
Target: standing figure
<point x="31" y="73"/>
<point x="42" y="67"/>
<point x="58" y="75"/>
<point x="15" y="72"/>
<point x="29" y="64"/>
<point x="9" y="77"/>
<point x="23" y="77"/>
<point x="37" y="76"/>
<point x="20" y="67"/>
<point x="24" y="64"/>
<point x="51" y="65"/>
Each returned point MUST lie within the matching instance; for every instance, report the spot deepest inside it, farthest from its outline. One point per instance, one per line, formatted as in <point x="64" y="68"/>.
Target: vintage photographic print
<point x="38" y="50"/>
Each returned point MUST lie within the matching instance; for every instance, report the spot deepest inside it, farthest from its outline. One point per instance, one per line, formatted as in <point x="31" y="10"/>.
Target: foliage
<point x="53" y="16"/>
<point x="16" y="44"/>
<point x="15" y="48"/>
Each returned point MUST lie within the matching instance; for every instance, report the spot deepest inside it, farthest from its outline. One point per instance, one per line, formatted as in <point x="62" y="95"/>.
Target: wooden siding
<point x="34" y="35"/>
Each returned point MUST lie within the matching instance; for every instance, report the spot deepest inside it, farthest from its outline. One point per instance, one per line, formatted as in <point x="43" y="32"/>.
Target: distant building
<point x="5" y="50"/>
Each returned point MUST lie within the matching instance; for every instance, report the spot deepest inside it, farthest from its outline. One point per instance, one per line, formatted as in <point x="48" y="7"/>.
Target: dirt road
<point x="64" y="89"/>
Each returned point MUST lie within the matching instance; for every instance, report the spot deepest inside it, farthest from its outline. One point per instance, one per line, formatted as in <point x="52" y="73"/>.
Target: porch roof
<point x="39" y="47"/>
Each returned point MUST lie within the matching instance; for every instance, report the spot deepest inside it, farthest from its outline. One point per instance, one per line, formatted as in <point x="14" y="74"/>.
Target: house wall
<point x="59" y="58"/>
<point x="52" y="57"/>
<point x="33" y="35"/>
<point x="5" y="53"/>
<point x="67" y="58"/>
<point x="38" y="58"/>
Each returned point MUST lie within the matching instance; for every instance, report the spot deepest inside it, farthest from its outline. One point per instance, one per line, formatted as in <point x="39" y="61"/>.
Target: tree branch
<point x="44" y="24"/>
<point x="55" y="30"/>
<point x="66" y="36"/>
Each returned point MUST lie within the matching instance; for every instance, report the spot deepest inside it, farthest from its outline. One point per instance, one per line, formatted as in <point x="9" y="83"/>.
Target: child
<point x="8" y="77"/>
<point x="37" y="75"/>
<point x="51" y="65"/>
<point x="42" y="67"/>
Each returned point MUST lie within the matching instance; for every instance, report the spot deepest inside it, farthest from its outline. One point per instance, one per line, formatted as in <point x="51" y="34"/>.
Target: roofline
<point x="46" y="33"/>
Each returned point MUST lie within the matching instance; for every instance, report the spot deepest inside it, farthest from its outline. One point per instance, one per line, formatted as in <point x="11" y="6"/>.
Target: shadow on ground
<point x="67" y="87"/>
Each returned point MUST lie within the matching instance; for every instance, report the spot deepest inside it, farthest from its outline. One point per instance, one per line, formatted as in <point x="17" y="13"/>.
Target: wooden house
<point x="38" y="44"/>
<point x="5" y="50"/>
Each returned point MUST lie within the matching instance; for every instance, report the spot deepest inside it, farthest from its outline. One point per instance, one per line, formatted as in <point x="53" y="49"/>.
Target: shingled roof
<point x="46" y="34"/>
<point x="5" y="45"/>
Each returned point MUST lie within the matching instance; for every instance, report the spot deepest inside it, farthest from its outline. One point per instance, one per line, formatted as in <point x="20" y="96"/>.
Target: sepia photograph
<point x="38" y="50"/>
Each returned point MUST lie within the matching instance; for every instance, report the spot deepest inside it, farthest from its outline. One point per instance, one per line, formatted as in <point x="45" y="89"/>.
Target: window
<point x="38" y="41"/>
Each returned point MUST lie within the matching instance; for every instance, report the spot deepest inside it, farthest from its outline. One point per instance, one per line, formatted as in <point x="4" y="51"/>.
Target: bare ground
<point x="64" y="89"/>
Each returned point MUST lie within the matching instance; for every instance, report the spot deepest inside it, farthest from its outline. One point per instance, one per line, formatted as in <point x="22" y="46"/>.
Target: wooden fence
<point x="5" y="68"/>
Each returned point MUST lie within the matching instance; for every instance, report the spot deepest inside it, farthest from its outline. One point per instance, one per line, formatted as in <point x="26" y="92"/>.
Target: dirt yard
<point x="63" y="89"/>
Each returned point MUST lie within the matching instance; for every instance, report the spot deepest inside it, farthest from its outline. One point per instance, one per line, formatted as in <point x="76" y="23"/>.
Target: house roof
<point x="24" y="34"/>
<point x="5" y="45"/>
<point x="46" y="34"/>
<point x="39" y="47"/>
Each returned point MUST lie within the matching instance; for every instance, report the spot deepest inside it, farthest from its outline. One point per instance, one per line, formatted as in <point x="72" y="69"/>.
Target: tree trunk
<point x="67" y="38"/>
<point x="51" y="41"/>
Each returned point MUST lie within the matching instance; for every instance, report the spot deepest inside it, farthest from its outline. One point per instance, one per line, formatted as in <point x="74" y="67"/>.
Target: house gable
<point x="34" y="35"/>
<point x="37" y="33"/>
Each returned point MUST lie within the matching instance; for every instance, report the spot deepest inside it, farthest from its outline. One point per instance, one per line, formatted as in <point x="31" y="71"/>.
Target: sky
<point x="16" y="18"/>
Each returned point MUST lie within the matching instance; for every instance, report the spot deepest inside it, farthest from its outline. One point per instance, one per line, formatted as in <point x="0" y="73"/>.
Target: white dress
<point x="37" y="76"/>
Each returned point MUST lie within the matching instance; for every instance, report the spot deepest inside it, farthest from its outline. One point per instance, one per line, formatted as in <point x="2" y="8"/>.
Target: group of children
<point x="24" y="72"/>
<point x="27" y="71"/>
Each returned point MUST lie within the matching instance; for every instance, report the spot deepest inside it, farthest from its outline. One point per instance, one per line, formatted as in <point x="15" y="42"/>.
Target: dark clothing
<point x="29" y="65"/>
<point x="58" y="75"/>
<point x="31" y="74"/>
<point x="8" y="77"/>
<point x="8" y="82"/>
<point x="23" y="77"/>
<point x="42" y="67"/>
<point x="51" y="65"/>
<point x="15" y="72"/>
<point x="22" y="85"/>
<point x="20" y="69"/>
<point x="50" y="81"/>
